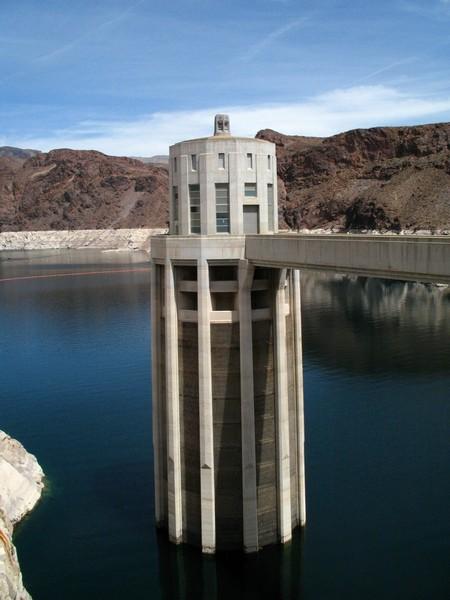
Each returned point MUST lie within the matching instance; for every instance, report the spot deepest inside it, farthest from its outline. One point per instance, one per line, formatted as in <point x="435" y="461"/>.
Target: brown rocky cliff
<point x="385" y="178"/>
<point x="74" y="189"/>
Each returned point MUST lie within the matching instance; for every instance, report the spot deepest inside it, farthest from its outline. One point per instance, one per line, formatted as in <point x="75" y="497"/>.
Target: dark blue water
<point x="75" y="389"/>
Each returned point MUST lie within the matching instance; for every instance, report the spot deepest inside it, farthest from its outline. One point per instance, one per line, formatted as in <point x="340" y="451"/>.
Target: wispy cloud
<point x="389" y="67"/>
<point x="270" y="38"/>
<point x="48" y="56"/>
<point x="322" y="115"/>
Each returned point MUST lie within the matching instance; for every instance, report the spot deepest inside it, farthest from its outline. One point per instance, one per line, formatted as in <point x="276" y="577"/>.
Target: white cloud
<point x="322" y="115"/>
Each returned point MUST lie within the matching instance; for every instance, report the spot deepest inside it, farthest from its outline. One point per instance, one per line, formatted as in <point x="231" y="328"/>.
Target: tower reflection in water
<point x="377" y="412"/>
<point x="273" y="573"/>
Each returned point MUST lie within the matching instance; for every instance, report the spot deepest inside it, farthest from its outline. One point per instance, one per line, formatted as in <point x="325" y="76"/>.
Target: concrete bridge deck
<point x="413" y="258"/>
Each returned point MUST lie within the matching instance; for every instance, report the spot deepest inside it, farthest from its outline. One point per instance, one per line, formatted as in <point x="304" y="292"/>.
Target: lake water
<point x="75" y="390"/>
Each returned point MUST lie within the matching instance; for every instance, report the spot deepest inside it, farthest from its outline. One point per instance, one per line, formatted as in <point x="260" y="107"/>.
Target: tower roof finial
<point x="221" y="125"/>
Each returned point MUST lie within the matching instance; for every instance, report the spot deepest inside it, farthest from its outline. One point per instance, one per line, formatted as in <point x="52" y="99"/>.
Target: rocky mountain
<point x="385" y="178"/>
<point x="11" y="152"/>
<point x="158" y="159"/>
<point x="80" y="189"/>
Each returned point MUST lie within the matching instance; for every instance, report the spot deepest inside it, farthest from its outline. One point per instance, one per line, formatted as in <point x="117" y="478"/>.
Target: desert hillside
<point x="385" y="178"/>
<point x="74" y="189"/>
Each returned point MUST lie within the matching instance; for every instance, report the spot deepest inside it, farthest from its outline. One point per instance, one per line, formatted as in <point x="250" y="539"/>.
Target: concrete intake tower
<point x="227" y="382"/>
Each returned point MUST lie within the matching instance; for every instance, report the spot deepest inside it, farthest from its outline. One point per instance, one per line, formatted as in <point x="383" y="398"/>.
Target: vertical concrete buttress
<point x="173" y="409"/>
<point x="282" y="410"/>
<point x="208" y="516"/>
<point x="249" y="498"/>
<point x="296" y="307"/>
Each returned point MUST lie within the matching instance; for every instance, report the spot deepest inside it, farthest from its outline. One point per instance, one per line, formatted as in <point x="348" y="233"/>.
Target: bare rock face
<point x="21" y="485"/>
<point x="100" y="239"/>
<point x="388" y="179"/>
<point x="80" y="189"/>
<point x="385" y="179"/>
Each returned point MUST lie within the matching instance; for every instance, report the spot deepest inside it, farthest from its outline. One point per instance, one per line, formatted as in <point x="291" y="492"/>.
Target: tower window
<point x="175" y="208"/>
<point x="194" y="206"/>
<point x="270" y="206"/>
<point x="249" y="160"/>
<point x="269" y="162"/>
<point x="194" y="162"/>
<point x="175" y="164"/>
<point x="222" y="208"/>
<point x="221" y="160"/>
<point x="250" y="190"/>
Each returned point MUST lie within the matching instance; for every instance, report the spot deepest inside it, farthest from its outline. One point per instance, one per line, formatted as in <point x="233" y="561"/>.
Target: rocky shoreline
<point x="21" y="486"/>
<point x="102" y="239"/>
<point x="136" y="239"/>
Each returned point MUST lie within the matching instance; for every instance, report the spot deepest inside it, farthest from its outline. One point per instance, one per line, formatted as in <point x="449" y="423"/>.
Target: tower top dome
<point x="223" y="184"/>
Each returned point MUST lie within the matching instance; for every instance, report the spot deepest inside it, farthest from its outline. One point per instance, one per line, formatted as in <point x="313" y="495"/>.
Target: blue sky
<point x="130" y="77"/>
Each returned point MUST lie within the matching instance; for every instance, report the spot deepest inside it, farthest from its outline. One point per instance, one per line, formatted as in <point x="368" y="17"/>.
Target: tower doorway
<point x="251" y="219"/>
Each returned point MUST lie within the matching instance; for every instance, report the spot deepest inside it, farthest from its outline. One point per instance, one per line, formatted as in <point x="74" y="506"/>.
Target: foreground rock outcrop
<point x="21" y="485"/>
